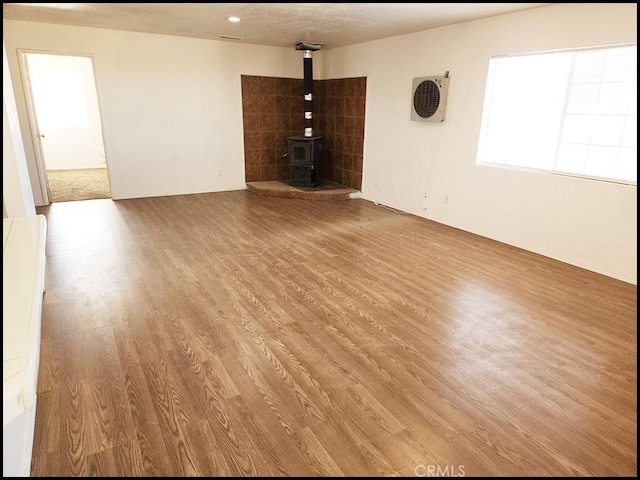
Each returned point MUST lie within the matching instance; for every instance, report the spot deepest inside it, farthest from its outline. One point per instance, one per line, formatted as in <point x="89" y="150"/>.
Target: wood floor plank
<point x="148" y="436"/>
<point x="122" y="460"/>
<point x="172" y="419"/>
<point x="279" y="427"/>
<point x="74" y="435"/>
<point x="350" y="447"/>
<point x="229" y="334"/>
<point x="47" y="434"/>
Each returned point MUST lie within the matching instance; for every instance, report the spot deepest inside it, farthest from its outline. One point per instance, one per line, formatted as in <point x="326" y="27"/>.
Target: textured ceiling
<point x="275" y="24"/>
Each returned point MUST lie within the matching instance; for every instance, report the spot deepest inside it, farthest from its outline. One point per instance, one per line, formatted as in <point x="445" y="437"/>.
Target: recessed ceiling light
<point x="233" y="19"/>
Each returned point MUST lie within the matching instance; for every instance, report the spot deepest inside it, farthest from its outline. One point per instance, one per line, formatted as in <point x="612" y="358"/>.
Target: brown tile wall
<point x="273" y="109"/>
<point x="339" y="118"/>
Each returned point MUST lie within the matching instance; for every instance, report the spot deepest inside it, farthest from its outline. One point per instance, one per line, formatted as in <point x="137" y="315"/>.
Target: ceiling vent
<point x="429" y="98"/>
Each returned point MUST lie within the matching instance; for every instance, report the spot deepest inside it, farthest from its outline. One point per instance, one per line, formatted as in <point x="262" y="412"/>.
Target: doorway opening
<point x="65" y="118"/>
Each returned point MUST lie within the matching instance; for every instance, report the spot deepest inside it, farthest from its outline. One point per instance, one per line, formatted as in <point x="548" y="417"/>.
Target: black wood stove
<point x="305" y="155"/>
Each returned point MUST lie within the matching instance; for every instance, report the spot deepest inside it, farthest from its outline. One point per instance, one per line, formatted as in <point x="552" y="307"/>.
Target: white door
<point x="65" y="111"/>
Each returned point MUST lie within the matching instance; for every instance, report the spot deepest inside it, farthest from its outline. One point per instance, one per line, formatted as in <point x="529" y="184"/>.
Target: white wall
<point x="591" y="224"/>
<point x="171" y="106"/>
<point x="17" y="196"/>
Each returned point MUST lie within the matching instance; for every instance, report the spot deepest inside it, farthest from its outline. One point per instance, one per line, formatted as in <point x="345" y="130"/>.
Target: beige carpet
<point x="85" y="184"/>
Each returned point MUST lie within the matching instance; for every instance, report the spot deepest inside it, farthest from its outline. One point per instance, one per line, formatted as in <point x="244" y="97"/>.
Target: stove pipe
<point x="308" y="94"/>
<point x="308" y="48"/>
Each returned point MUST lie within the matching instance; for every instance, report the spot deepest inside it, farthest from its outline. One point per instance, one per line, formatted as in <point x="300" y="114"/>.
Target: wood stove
<point x="305" y="156"/>
<point x="305" y="152"/>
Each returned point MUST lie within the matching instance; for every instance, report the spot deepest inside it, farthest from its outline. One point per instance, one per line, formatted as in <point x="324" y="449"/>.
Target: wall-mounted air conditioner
<point x="429" y="98"/>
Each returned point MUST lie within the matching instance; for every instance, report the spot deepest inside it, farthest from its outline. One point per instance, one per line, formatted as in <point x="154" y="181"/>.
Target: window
<point x="572" y="112"/>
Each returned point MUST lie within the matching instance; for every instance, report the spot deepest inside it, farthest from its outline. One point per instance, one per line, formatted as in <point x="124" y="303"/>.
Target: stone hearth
<point x="326" y="191"/>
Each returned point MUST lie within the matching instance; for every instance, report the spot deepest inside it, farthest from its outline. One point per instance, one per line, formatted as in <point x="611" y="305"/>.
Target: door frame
<point x="41" y="167"/>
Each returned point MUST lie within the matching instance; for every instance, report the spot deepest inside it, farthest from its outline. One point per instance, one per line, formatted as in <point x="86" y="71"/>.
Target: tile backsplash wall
<point x="273" y="109"/>
<point x="339" y="115"/>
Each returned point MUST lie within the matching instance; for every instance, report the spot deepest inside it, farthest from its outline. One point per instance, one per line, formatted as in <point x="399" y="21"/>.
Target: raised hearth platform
<point x="324" y="191"/>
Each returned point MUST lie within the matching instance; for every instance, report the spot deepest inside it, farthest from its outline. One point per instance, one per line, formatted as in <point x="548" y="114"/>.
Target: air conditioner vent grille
<point x="426" y="99"/>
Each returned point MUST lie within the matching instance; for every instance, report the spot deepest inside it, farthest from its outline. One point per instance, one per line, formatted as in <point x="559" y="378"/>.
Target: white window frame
<point x="546" y="161"/>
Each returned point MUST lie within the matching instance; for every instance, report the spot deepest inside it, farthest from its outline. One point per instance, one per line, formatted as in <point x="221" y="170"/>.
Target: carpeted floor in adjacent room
<point x="82" y="184"/>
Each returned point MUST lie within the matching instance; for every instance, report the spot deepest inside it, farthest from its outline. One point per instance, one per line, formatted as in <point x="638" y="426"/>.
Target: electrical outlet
<point x="220" y="172"/>
<point x="446" y="199"/>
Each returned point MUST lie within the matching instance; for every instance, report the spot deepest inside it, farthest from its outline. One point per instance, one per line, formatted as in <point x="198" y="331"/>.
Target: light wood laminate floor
<point x="229" y="334"/>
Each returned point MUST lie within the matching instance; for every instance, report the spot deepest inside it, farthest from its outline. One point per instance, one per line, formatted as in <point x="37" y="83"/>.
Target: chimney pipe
<point x="308" y="48"/>
<point x="308" y="94"/>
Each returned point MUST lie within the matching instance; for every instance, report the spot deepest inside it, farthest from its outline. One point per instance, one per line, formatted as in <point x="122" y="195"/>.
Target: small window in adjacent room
<point x="571" y="112"/>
